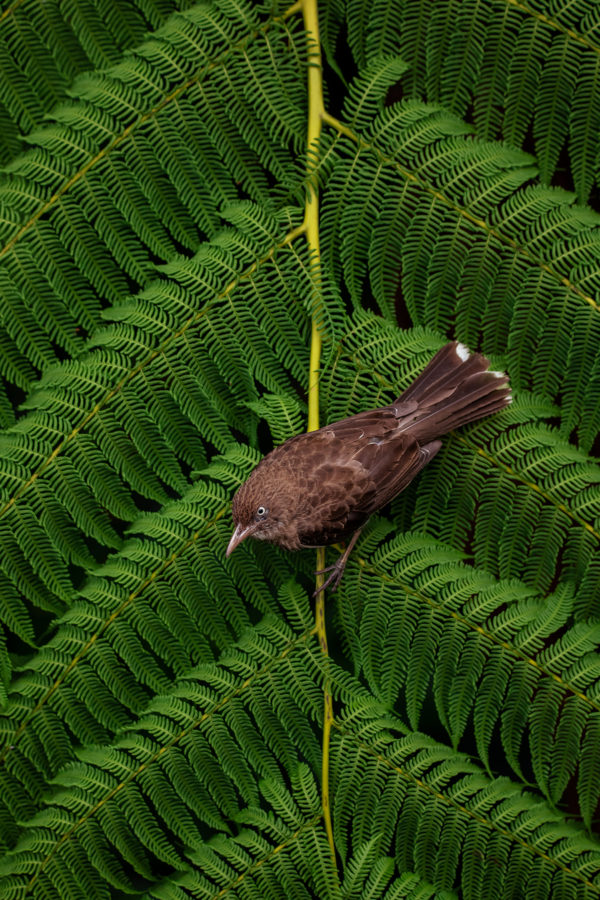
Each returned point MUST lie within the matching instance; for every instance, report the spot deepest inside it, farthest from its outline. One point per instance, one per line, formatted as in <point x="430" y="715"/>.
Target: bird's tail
<point x="456" y="387"/>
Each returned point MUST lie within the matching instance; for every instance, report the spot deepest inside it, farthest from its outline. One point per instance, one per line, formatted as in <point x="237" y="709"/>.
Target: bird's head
<point x="259" y="511"/>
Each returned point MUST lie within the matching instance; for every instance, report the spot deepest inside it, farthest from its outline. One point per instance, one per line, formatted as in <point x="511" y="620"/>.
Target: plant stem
<point x="311" y="222"/>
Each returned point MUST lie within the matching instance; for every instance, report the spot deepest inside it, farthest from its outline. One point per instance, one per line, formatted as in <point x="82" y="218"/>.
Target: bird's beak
<point x="237" y="537"/>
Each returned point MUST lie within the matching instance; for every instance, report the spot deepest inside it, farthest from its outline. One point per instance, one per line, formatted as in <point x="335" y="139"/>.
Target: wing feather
<point x="355" y="478"/>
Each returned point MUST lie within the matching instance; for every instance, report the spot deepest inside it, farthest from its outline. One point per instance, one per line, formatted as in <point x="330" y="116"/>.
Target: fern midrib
<point x="310" y="16"/>
<point x="478" y="629"/>
<point x="486" y="822"/>
<point x="556" y="25"/>
<point x="248" y="682"/>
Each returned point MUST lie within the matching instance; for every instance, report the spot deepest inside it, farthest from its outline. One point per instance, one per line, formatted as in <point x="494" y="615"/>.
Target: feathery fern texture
<point x="43" y="47"/>
<point x="129" y="173"/>
<point x="162" y="731"/>
<point x="528" y="70"/>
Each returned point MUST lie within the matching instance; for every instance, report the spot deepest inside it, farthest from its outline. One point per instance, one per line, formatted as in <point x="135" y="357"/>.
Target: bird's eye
<point x="261" y="511"/>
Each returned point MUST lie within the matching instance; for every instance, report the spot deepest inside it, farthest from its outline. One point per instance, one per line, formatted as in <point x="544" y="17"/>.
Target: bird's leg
<point x="337" y="569"/>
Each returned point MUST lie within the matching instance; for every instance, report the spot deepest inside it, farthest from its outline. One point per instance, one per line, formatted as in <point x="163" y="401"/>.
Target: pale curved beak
<point x="237" y="537"/>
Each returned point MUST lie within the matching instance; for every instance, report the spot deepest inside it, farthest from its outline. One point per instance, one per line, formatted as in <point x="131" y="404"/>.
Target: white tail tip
<point x="463" y="352"/>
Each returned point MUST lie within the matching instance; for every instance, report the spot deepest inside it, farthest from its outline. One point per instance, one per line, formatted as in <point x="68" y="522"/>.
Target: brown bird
<point x="321" y="487"/>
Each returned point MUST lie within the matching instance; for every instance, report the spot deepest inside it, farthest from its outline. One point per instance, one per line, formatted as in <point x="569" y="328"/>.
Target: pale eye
<point x="261" y="511"/>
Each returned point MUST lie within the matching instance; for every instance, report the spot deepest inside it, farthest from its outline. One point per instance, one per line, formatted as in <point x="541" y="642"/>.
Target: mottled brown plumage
<point x="321" y="487"/>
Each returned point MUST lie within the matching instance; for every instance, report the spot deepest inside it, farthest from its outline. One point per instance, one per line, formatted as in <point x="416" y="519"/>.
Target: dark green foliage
<point x="521" y="71"/>
<point x="162" y="707"/>
<point x="130" y="173"/>
<point x="43" y="46"/>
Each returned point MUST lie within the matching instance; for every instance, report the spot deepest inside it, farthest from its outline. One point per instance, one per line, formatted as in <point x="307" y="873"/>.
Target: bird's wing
<point x="352" y="478"/>
<point x="392" y="462"/>
<point x="372" y="422"/>
<point x="335" y="494"/>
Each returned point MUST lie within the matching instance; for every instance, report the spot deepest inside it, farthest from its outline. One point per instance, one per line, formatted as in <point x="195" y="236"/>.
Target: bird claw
<point x="334" y="579"/>
<point x="327" y="569"/>
<point x="337" y="569"/>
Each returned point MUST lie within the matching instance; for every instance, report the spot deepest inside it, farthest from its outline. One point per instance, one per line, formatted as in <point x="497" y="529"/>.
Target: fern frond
<point x="427" y="624"/>
<point x="135" y="138"/>
<point x="162" y="604"/>
<point x="282" y="413"/>
<point x="210" y="716"/>
<point x="501" y="263"/>
<point x="518" y="66"/>
<point x="42" y="48"/>
<point x="468" y="815"/>
<point x="186" y="367"/>
<point x="163" y="727"/>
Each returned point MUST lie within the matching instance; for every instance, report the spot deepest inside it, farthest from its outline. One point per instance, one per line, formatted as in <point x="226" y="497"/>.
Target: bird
<point x="321" y="487"/>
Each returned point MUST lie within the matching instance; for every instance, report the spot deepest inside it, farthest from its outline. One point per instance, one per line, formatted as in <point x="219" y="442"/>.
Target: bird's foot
<point x="331" y="583"/>
<point x="337" y="569"/>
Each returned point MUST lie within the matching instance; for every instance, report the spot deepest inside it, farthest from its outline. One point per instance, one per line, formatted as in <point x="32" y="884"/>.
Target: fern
<point x="466" y="196"/>
<point x="513" y="68"/>
<point x="165" y="295"/>
<point x="134" y="139"/>
<point x="43" y="47"/>
<point x="198" y="751"/>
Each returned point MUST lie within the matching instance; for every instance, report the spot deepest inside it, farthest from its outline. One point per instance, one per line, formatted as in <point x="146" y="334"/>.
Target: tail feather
<point x="456" y="388"/>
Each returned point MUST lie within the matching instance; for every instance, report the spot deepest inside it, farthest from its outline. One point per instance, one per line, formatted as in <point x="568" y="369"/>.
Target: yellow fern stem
<point x="311" y="223"/>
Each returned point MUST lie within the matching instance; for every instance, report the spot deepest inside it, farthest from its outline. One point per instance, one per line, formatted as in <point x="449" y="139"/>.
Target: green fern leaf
<point x="162" y="728"/>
